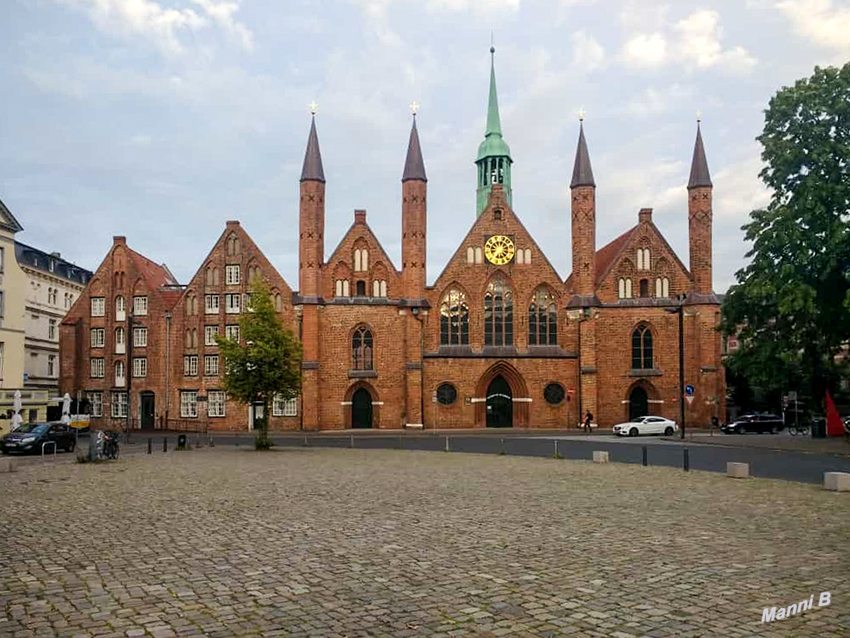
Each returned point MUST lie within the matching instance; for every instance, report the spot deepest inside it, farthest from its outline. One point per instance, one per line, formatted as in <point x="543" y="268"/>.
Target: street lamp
<point x="680" y="310"/>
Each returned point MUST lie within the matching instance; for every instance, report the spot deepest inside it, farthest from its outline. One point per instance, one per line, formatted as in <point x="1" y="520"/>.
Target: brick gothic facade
<point x="498" y="338"/>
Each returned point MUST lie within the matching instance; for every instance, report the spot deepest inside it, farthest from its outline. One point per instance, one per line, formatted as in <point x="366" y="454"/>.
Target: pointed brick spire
<point x="414" y="166"/>
<point x="700" y="176"/>
<point x="313" y="170"/>
<point x="582" y="171"/>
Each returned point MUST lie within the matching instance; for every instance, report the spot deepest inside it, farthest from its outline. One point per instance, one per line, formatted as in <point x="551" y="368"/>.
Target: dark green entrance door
<point x="500" y="406"/>
<point x="147" y="409"/>
<point x="638" y="404"/>
<point x="361" y="409"/>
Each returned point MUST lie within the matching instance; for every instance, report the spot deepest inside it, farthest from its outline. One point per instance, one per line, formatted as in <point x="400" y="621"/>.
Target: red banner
<point x="834" y="427"/>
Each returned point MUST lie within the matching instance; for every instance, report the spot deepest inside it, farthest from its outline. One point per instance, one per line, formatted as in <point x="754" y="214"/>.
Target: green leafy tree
<point x="792" y="302"/>
<point x="267" y="360"/>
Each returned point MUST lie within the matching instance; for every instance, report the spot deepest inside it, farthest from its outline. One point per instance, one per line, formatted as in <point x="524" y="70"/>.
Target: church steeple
<point x="312" y="169"/>
<point x="700" y="177"/>
<point x="494" y="156"/>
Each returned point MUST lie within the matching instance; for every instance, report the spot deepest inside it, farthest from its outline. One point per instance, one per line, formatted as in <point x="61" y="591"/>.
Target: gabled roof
<point x="610" y="252"/>
<point x="384" y="255"/>
<point x="8" y="221"/>
<point x="156" y="274"/>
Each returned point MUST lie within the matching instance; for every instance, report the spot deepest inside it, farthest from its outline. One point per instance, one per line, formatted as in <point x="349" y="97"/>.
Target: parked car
<point x="646" y="425"/>
<point x="30" y="437"/>
<point x="756" y="422"/>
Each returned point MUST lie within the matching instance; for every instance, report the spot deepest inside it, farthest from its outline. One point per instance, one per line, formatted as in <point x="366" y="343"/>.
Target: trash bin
<point x="181" y="442"/>
<point x="819" y="429"/>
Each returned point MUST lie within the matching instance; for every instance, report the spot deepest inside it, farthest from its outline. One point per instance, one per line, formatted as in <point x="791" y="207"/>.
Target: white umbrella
<point x="66" y="409"/>
<point x="18" y="406"/>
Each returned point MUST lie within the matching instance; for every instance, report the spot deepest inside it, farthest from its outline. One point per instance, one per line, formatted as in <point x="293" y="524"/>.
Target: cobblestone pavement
<point x="352" y="543"/>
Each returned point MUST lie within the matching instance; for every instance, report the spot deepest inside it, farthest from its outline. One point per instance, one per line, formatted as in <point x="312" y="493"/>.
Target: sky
<point x="162" y="119"/>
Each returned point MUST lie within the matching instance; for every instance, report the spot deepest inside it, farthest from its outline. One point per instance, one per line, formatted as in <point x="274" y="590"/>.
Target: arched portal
<point x="499" y="404"/>
<point x="638" y="403"/>
<point x="361" y="409"/>
<point x="502" y="379"/>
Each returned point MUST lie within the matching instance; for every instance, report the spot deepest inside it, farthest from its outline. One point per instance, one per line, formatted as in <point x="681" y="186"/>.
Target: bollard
<point x="212" y="442"/>
<point x="503" y="448"/>
<point x="686" y="461"/>
<point x="645" y="462"/>
<point x="304" y="444"/>
<point x="600" y="457"/>
<point x="400" y="442"/>
<point x="7" y="465"/>
<point x="165" y="444"/>
<point x="351" y="443"/>
<point x="557" y="454"/>
<point x="737" y="470"/>
<point x="150" y="445"/>
<point x="836" y="481"/>
<point x="447" y="445"/>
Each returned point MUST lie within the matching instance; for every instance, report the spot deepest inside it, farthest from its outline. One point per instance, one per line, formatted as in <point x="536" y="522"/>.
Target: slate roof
<point x="51" y="264"/>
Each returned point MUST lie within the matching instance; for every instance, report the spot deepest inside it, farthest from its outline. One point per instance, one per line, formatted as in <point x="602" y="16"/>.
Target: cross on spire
<point x="313" y="107"/>
<point x="414" y="107"/>
<point x="581" y="114"/>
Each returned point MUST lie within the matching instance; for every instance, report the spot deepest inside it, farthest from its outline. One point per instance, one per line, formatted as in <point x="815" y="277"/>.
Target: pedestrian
<point x="588" y="419"/>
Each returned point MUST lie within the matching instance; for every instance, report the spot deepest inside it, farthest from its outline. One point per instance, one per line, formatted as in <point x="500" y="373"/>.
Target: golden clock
<point x="499" y="250"/>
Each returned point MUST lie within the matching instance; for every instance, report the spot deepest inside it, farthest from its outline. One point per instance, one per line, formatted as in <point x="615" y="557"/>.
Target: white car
<point x="646" y="425"/>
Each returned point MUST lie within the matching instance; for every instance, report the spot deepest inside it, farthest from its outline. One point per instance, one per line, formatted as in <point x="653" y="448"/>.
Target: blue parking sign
<point x="689" y="390"/>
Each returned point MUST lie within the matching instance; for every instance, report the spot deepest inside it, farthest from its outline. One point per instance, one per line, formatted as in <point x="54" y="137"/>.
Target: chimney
<point x="232" y="224"/>
<point x="119" y="239"/>
<point x="359" y="217"/>
<point x="645" y="215"/>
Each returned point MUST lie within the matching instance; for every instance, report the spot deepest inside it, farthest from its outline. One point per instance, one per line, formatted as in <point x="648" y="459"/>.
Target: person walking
<point x="588" y="419"/>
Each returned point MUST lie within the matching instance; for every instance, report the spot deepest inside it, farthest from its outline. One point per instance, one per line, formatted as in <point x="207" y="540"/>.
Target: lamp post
<point x="680" y="310"/>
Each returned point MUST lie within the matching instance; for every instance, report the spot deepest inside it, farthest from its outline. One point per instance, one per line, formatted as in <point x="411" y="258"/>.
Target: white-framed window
<point x="211" y="365"/>
<point x="624" y="288"/>
<point x="470" y="255"/>
<point x="140" y="306"/>
<point x="211" y="304"/>
<point x="119" y="405"/>
<point x="120" y="309"/>
<point x="284" y="407"/>
<point x="232" y="275"/>
<point x="189" y="404"/>
<point x="140" y="337"/>
<point x="140" y="367"/>
<point x="643" y="261"/>
<point x="361" y="259"/>
<point x="342" y="288"/>
<point x="232" y="332"/>
<point x="190" y="365"/>
<point x="119" y="340"/>
<point x="210" y="333"/>
<point x="97" y="369"/>
<point x="233" y="304"/>
<point x="216" y="402"/>
<point x="96" y="403"/>
<point x="479" y="255"/>
<point x="120" y="373"/>
<point x="98" y="337"/>
<point x="51" y="329"/>
<point x="662" y="287"/>
<point x="98" y="306"/>
<point x="51" y="366"/>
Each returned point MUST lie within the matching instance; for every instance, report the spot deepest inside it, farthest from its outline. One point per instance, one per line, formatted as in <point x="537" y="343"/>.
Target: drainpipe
<point x="167" y="367"/>
<point x="421" y="321"/>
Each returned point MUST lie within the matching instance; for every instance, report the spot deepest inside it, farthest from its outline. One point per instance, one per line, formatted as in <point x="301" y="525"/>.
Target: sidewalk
<point x="778" y="442"/>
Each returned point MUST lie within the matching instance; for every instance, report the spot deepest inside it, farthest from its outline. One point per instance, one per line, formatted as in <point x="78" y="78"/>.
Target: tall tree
<point x="792" y="302"/>
<point x="265" y="362"/>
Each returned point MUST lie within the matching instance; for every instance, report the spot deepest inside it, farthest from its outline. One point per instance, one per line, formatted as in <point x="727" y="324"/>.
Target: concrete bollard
<point x="836" y="481"/>
<point x="600" y="457"/>
<point x="738" y="470"/>
<point x="7" y="465"/>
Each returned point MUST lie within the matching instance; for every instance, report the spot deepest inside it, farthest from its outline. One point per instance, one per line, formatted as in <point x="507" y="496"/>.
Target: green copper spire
<point x="494" y="155"/>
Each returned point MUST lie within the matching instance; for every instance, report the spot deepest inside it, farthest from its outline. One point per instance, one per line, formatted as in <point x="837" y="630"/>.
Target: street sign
<point x="689" y="390"/>
<point x="690" y="399"/>
<point x="571" y="391"/>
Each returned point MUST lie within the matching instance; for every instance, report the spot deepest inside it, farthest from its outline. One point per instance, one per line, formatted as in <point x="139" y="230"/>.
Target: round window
<point x="553" y="393"/>
<point x="446" y="394"/>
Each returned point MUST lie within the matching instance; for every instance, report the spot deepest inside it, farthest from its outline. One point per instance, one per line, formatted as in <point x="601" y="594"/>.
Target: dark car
<point x="762" y="423"/>
<point x="30" y="437"/>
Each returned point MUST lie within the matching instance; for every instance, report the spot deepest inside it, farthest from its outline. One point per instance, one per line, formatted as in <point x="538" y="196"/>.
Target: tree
<point x="792" y="302"/>
<point x="267" y="360"/>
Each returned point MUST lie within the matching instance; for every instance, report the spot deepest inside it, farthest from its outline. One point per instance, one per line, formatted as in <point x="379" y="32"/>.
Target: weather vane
<point x="313" y="106"/>
<point x="414" y="107"/>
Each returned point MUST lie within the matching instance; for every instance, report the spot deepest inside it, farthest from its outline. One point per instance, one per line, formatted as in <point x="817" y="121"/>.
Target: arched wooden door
<point x="500" y="408"/>
<point x="638" y="403"/>
<point x="361" y="409"/>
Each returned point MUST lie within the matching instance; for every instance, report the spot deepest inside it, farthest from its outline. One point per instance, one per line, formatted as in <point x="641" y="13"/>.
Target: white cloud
<point x="700" y="35"/>
<point x="645" y="50"/>
<point x="479" y="6"/>
<point x="588" y="54"/>
<point x="163" y="26"/>
<point x="655" y="101"/>
<point x="695" y="42"/>
<point x="818" y="21"/>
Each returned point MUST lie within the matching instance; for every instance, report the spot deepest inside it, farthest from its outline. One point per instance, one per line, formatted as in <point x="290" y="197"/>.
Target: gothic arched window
<point x="361" y="349"/>
<point x="454" y="319"/>
<point x="642" y="348"/>
<point x="542" y="319"/>
<point x="498" y="314"/>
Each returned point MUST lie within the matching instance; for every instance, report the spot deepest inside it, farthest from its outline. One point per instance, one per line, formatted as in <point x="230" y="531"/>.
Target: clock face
<point x="499" y="250"/>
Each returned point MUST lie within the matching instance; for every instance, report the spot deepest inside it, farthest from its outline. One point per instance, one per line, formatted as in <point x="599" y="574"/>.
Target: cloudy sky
<point x="162" y="119"/>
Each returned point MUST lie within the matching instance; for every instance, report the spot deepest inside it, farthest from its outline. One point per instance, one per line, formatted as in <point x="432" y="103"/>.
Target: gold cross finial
<point x="313" y="106"/>
<point x="581" y="114"/>
<point x="414" y="107"/>
<point x="699" y="116"/>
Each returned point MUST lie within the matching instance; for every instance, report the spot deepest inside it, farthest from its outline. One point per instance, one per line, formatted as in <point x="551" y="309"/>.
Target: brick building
<point x="498" y="339"/>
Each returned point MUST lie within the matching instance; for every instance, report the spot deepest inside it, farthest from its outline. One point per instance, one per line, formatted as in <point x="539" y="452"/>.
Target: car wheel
<point x="634" y="432"/>
<point x="668" y="431"/>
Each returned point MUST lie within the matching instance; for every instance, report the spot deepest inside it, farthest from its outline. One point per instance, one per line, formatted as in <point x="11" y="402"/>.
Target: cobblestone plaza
<point x="351" y="543"/>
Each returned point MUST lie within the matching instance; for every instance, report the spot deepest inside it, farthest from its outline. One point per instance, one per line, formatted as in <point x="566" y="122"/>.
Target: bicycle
<point x="801" y="429"/>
